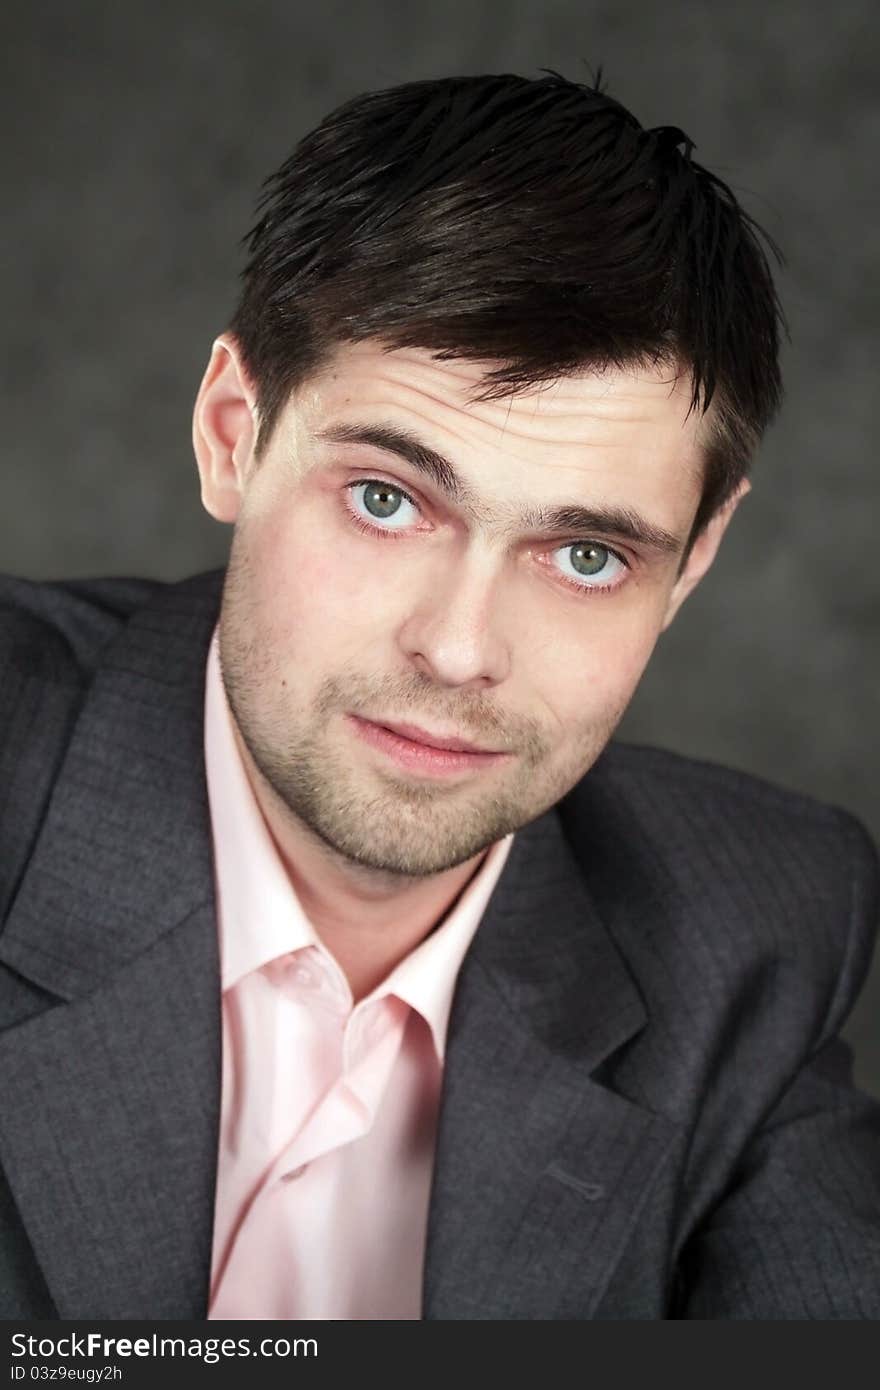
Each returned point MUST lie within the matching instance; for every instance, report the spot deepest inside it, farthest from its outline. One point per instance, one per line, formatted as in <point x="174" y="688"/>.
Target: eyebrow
<point x="568" y="517"/>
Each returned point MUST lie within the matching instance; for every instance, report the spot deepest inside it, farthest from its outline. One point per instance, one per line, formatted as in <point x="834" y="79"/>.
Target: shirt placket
<point x="366" y="1041"/>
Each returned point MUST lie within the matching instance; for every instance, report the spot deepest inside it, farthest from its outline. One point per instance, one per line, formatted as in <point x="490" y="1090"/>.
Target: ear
<point x="224" y="429"/>
<point x="703" y="552"/>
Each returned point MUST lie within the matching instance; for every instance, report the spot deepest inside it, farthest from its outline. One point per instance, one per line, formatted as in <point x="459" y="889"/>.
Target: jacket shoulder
<point x="672" y="792"/>
<point x="728" y="875"/>
<point x="56" y="630"/>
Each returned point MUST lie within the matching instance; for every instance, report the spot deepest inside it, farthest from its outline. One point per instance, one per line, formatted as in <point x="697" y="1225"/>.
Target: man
<point x="348" y="970"/>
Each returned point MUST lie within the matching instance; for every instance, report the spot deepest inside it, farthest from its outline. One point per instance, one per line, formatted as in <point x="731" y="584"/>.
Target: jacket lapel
<point x="540" y="1170"/>
<point x="110" y="1080"/>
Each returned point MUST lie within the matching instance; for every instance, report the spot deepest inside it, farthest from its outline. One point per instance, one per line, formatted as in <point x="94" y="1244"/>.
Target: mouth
<point x="409" y="747"/>
<point x="448" y="742"/>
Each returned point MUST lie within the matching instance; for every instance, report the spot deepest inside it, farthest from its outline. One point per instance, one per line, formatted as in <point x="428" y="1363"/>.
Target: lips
<point x="445" y="741"/>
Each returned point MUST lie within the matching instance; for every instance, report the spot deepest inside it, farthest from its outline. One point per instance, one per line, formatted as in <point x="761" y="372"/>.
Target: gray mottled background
<point x="134" y="138"/>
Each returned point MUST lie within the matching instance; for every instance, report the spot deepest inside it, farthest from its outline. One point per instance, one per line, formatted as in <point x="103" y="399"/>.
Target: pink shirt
<point x="329" y="1109"/>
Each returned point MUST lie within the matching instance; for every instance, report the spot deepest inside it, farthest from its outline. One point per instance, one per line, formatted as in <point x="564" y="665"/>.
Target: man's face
<point x="359" y="590"/>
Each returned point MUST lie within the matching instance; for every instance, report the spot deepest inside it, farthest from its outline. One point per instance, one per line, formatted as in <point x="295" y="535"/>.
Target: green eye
<point x="374" y="500"/>
<point x="589" y="559"/>
<point x="589" y="565"/>
<point x="381" y="499"/>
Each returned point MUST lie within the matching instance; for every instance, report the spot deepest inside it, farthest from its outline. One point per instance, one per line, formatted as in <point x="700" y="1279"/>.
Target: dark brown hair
<point x="531" y="222"/>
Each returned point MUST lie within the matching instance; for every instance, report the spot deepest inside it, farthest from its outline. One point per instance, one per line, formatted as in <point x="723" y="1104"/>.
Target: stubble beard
<point x="394" y="825"/>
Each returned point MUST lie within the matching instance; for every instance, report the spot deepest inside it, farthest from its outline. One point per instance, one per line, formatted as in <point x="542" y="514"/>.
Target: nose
<point x="453" y="630"/>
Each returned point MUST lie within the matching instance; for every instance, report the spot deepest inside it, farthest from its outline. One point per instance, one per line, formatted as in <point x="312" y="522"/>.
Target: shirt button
<point x="295" y="1173"/>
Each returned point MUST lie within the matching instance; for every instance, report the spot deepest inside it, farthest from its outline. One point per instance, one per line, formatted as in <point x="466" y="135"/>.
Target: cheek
<point x="322" y="589"/>
<point x="589" y="668"/>
<point x="608" y="637"/>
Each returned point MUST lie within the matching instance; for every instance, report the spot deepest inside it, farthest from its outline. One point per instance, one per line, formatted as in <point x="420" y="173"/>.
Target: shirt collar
<point x="259" y="915"/>
<point x="425" y="979"/>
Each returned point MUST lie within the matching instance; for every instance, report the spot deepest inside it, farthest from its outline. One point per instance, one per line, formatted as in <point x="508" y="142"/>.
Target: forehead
<point x="615" y="430"/>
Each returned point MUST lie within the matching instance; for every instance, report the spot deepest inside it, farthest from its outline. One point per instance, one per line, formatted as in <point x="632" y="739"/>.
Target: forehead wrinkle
<point x="514" y="413"/>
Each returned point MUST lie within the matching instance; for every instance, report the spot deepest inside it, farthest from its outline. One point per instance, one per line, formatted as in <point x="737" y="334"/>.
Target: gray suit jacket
<point x="646" y="1110"/>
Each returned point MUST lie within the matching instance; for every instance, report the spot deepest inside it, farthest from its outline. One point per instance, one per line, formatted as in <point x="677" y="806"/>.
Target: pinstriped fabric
<point x="791" y="1239"/>
<point x="143" y="689"/>
<point x="762" y="941"/>
<point x="47" y="639"/>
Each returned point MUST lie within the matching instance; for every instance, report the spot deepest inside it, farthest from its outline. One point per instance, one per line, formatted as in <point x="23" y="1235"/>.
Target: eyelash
<point x="368" y="530"/>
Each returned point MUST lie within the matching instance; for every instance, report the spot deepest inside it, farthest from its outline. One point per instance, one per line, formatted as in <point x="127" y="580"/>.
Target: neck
<point x="368" y="919"/>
